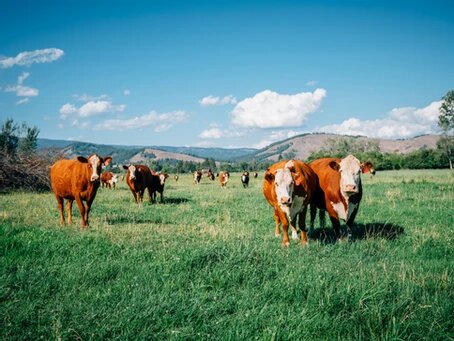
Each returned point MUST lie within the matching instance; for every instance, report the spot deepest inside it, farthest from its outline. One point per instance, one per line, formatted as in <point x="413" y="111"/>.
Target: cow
<point x="139" y="178"/>
<point x="340" y="190"/>
<point x="210" y="175"/>
<point x="197" y="177"/>
<point x="256" y="175"/>
<point x="176" y="177"/>
<point x="108" y="179"/>
<point x="157" y="185"/>
<point x="77" y="180"/>
<point x="288" y="187"/>
<point x="245" y="179"/>
<point x="224" y="178"/>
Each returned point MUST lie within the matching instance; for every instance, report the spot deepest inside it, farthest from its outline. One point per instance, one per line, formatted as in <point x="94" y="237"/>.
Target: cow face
<point x="95" y="162"/>
<point x="350" y="171"/>
<point x="283" y="184"/>
<point x="131" y="171"/>
<point x="162" y="178"/>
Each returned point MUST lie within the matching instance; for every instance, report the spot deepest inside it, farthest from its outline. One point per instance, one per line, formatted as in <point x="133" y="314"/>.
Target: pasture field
<point x="205" y="265"/>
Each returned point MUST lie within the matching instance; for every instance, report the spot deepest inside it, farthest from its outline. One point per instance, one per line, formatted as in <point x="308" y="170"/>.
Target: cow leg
<point x="349" y="224"/>
<point x="277" y="220"/>
<point x="69" y="209"/>
<point x="313" y="214"/>
<point x="81" y="206"/>
<point x="60" y="201"/>
<point x="321" y="217"/>
<point x="162" y="199"/>
<point x="302" y="225"/>
<point x="336" y="226"/>
<point x="134" y="194"/>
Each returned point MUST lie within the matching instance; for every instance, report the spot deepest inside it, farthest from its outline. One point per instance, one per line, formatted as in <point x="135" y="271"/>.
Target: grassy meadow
<point x="206" y="265"/>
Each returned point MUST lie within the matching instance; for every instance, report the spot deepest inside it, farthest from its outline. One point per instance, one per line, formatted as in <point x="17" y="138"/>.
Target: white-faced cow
<point x="109" y="179"/>
<point x="197" y="177"/>
<point x="138" y="179"/>
<point x="288" y="187"/>
<point x="157" y="184"/>
<point x="77" y="180"/>
<point x="224" y="178"/>
<point x="245" y="179"/>
<point x="340" y="190"/>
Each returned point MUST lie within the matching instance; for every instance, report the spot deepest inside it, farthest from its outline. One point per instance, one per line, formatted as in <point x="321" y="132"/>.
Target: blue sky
<point x="224" y="73"/>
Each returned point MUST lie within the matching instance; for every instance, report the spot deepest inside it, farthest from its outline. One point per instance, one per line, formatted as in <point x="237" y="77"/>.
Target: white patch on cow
<point x="350" y="170"/>
<point x="132" y="172"/>
<point x="162" y="179"/>
<point x="95" y="161"/>
<point x="243" y="178"/>
<point x="283" y="183"/>
<point x="340" y="210"/>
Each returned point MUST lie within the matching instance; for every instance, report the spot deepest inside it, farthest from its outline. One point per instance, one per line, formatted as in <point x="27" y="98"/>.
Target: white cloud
<point x="21" y="90"/>
<point x="90" y="108"/>
<point x="22" y="77"/>
<point x="27" y="58"/>
<point x="275" y="136"/>
<point x="216" y="133"/>
<point x="311" y="83"/>
<point x="22" y="101"/>
<point x="88" y="98"/>
<point x="126" y="92"/>
<point x="160" y="121"/>
<point x="268" y="109"/>
<point x="400" y="123"/>
<point x="211" y="100"/>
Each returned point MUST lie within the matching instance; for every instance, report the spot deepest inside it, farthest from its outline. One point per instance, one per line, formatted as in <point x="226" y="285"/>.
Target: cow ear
<point x="107" y="160"/>
<point x="269" y="176"/>
<point x="334" y="165"/>
<point x="125" y="167"/>
<point x="298" y="178"/>
<point x="82" y="159"/>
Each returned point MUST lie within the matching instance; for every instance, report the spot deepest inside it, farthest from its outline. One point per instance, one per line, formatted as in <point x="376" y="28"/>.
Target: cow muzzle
<point x="286" y="201"/>
<point x="351" y="189"/>
<point x="94" y="178"/>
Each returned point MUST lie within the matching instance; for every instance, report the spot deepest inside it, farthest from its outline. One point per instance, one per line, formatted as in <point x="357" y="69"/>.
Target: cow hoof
<point x="277" y="235"/>
<point x="285" y="244"/>
<point x="295" y="235"/>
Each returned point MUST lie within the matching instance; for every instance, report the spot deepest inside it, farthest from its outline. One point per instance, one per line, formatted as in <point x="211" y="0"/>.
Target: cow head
<point x="131" y="171"/>
<point x="94" y="163"/>
<point x="367" y="167"/>
<point x="162" y="178"/>
<point x="284" y="181"/>
<point x="114" y="179"/>
<point x="350" y="171"/>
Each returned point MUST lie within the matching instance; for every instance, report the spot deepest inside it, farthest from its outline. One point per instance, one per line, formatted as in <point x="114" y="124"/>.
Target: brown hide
<point x="71" y="180"/>
<point x="305" y="184"/>
<point x="142" y="181"/>
<point x="156" y="185"/>
<point x="105" y="178"/>
<point x="197" y="176"/>
<point x="223" y="178"/>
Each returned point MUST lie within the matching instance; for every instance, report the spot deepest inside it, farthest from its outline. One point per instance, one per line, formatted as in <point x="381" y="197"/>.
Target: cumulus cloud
<point x="88" y="98"/>
<point x="21" y="90"/>
<point x="275" y="136"/>
<point x="161" y="122"/>
<point x="28" y="58"/>
<point x="90" y="108"/>
<point x="212" y="100"/>
<point x="399" y="123"/>
<point x="23" y="101"/>
<point x="268" y="109"/>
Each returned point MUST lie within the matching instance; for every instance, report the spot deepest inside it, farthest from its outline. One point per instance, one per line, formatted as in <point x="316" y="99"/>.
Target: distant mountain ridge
<point x="300" y="146"/>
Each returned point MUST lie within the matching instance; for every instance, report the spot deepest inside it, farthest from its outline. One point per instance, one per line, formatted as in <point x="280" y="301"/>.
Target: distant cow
<point x="176" y="177"/>
<point x="341" y="190"/>
<point x="288" y="187"/>
<point x="210" y="175"/>
<point x="245" y="179"/>
<point x="108" y="179"/>
<point x="138" y="179"/>
<point x="224" y="178"/>
<point x="157" y="185"/>
<point x="77" y="180"/>
<point x="256" y="175"/>
<point x="197" y="176"/>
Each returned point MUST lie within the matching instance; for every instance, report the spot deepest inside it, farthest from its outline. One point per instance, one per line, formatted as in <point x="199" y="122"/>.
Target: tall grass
<point x="206" y="265"/>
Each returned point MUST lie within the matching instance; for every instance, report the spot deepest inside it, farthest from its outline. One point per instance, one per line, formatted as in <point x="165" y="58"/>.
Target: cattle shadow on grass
<point x="388" y="231"/>
<point x="175" y="200"/>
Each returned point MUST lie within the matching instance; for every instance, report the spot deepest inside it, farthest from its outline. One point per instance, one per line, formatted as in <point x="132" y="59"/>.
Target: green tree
<point x="446" y="123"/>
<point x="29" y="142"/>
<point x="9" y="137"/>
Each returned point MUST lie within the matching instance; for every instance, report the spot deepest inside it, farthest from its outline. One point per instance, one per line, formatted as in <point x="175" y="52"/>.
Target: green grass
<point x="206" y="265"/>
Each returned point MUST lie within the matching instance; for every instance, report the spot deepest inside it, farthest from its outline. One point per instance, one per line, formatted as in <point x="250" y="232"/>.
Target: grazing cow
<point x="77" y="180"/>
<point x="108" y="179"/>
<point x="176" y="177"/>
<point x="224" y="178"/>
<point x="139" y="178"/>
<point x="210" y="175"/>
<point x="256" y="175"/>
<point x="245" y="179"/>
<point x="197" y="177"/>
<point x="288" y="187"/>
<point x="157" y="185"/>
<point x="341" y="190"/>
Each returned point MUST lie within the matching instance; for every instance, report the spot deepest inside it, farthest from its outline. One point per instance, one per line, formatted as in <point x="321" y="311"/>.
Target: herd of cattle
<point x="290" y="187"/>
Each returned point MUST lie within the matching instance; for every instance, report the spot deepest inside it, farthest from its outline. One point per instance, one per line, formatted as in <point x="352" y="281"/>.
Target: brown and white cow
<point x="340" y="190"/>
<point x="139" y="178"/>
<point x="245" y="179"/>
<point x="158" y="181"/>
<point x="288" y="187"/>
<point x="256" y="175"/>
<point x="176" y="177"/>
<point x="77" y="180"/>
<point x="108" y="179"/>
<point x="197" y="176"/>
<point x="224" y="178"/>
